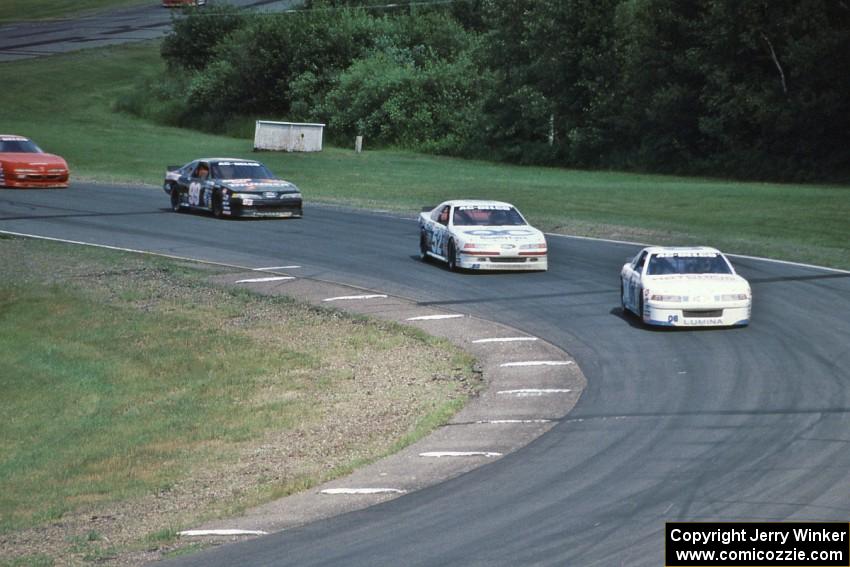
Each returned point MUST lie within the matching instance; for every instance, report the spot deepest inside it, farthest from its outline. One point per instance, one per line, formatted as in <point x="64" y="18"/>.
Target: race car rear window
<point x="19" y="146"/>
<point x="487" y="216"/>
<point x="241" y="170"/>
<point x="666" y="264"/>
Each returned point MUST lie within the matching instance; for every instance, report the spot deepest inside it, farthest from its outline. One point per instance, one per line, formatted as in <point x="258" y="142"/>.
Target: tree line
<point x="754" y="89"/>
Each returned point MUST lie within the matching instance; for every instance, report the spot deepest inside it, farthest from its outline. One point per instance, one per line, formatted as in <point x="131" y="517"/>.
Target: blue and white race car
<point x="685" y="286"/>
<point x="481" y="235"/>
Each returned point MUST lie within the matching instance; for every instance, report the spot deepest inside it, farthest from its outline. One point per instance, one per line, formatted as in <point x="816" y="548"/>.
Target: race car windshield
<point x="487" y="216"/>
<point x="660" y="265"/>
<point x="241" y="170"/>
<point x="19" y="147"/>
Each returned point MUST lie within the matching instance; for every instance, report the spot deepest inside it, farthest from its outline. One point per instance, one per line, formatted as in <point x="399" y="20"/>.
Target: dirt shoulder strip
<point x="517" y="404"/>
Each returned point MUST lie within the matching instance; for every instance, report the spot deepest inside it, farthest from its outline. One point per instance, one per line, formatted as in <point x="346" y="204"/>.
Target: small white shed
<point x="288" y="136"/>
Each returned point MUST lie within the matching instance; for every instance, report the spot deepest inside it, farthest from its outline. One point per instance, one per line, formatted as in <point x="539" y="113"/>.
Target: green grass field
<point x="130" y="382"/>
<point x="795" y="222"/>
<point x="21" y="10"/>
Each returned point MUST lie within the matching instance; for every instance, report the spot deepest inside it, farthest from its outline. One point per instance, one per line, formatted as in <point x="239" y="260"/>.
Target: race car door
<point x="634" y="284"/>
<point x="440" y="230"/>
<point x="200" y="187"/>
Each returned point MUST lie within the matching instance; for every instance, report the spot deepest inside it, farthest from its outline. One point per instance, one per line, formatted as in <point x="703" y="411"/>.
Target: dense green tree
<point x="755" y="88"/>
<point x="777" y="82"/>
<point x="196" y="33"/>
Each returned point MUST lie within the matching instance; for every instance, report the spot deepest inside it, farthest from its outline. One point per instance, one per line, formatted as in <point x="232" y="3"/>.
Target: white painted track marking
<point x="276" y="268"/>
<point x="505" y="340"/>
<point x="503" y="421"/>
<point x="348" y="297"/>
<point x="333" y="491"/>
<point x="439" y="454"/>
<point x="221" y="532"/>
<point x="533" y="392"/>
<point x="434" y="317"/>
<point x="537" y="363"/>
<point x="270" y="279"/>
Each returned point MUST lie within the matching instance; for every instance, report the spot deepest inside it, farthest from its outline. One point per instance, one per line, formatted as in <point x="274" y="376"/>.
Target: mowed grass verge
<point x="138" y="399"/>
<point x="805" y="223"/>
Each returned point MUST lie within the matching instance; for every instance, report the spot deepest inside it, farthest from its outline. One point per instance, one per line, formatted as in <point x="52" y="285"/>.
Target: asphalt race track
<point x="25" y="40"/>
<point x="735" y="425"/>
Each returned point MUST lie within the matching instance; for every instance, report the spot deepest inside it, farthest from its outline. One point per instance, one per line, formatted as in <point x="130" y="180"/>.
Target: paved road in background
<point x="743" y="424"/>
<point x="25" y="40"/>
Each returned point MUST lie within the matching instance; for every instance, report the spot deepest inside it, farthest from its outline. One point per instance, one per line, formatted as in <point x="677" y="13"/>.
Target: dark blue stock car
<point x="231" y="187"/>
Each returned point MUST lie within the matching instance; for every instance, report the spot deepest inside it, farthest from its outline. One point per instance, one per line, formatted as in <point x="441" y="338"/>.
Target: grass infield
<point x="138" y="399"/>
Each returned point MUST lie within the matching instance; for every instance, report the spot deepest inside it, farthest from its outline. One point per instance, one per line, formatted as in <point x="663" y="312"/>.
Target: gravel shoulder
<point x="528" y="385"/>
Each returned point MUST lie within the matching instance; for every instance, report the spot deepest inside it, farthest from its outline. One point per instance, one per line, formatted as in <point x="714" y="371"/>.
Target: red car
<point x="23" y="164"/>
<point x="177" y="3"/>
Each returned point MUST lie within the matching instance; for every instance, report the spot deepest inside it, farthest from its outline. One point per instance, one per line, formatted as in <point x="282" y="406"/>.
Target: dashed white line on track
<point x="507" y="421"/>
<point x="434" y="317"/>
<point x="537" y="363"/>
<point x="269" y="279"/>
<point x="439" y="454"/>
<point x="349" y="297"/>
<point x="333" y="491"/>
<point x="530" y="392"/>
<point x="505" y="340"/>
<point x="276" y="268"/>
<point x="221" y="532"/>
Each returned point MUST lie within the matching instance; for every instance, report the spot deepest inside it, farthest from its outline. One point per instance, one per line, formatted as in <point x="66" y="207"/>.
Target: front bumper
<point x="36" y="182"/>
<point x="276" y="208"/>
<point x="716" y="315"/>
<point x="523" y="263"/>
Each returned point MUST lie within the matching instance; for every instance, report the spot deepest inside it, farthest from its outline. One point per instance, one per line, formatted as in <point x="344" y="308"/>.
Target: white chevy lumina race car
<point x="678" y="286"/>
<point x="481" y="235"/>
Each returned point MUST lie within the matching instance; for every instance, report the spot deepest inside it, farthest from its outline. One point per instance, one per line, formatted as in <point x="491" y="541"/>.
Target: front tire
<point x="451" y="256"/>
<point x="423" y="247"/>
<point x="217" y="208"/>
<point x="640" y="307"/>
<point x="175" y="199"/>
<point x="623" y="298"/>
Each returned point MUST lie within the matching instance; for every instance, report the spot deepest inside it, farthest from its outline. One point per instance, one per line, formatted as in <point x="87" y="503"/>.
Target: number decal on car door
<point x="194" y="193"/>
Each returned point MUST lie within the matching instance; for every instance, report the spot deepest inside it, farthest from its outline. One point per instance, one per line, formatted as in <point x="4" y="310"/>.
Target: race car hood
<point x="697" y="283"/>
<point x="259" y="185"/>
<point x="31" y="159"/>
<point x="499" y="234"/>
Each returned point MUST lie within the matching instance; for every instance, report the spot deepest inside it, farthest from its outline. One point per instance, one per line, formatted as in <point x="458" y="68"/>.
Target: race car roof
<point x="227" y="159"/>
<point x="681" y="250"/>
<point x="12" y="138"/>
<point x="474" y="203"/>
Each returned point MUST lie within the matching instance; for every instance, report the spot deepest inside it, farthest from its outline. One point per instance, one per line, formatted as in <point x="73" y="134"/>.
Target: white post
<point x="358" y="144"/>
<point x="551" y="129"/>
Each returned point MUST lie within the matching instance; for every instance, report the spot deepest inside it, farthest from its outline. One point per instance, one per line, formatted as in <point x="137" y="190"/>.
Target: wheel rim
<point x="452" y="256"/>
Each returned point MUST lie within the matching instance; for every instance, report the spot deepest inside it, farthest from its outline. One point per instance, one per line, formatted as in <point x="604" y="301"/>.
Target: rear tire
<point x="175" y="199"/>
